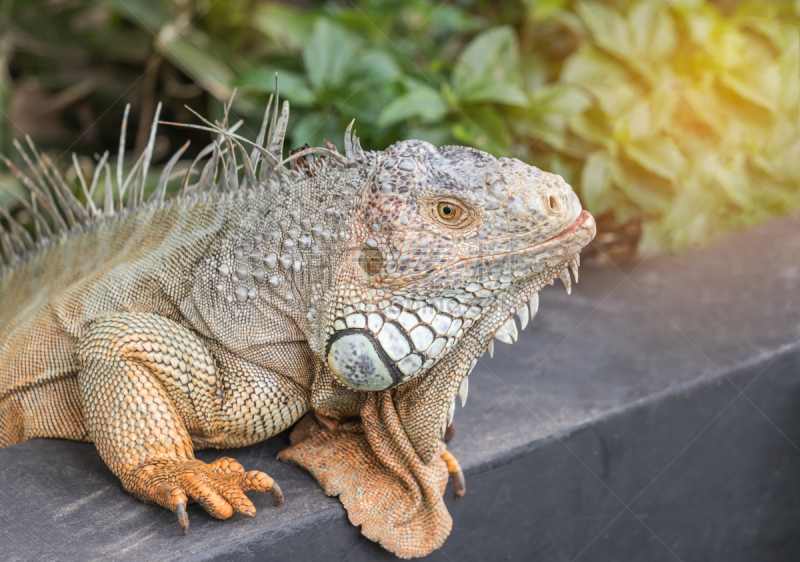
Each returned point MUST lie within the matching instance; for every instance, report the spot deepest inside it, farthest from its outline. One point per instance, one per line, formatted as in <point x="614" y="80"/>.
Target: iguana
<point x="355" y="291"/>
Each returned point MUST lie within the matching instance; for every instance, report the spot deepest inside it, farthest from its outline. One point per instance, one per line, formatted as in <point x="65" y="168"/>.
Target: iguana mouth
<point x="577" y="225"/>
<point x="574" y="227"/>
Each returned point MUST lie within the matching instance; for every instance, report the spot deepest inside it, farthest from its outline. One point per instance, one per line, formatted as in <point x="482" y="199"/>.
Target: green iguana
<point x="355" y="291"/>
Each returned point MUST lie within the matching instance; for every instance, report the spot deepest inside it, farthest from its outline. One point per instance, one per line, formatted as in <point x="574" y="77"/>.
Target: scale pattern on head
<point x="437" y="236"/>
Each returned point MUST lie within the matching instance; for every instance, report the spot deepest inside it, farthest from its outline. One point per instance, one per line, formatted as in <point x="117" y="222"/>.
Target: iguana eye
<point x="448" y="211"/>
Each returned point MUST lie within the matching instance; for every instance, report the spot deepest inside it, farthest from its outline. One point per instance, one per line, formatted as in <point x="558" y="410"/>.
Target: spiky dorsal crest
<point x="57" y="212"/>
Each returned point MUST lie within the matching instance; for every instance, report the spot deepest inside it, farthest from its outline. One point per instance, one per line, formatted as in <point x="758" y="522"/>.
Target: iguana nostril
<point x="552" y="204"/>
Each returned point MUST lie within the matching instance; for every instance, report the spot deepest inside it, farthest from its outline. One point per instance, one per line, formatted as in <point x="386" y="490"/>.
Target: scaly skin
<point x="359" y="289"/>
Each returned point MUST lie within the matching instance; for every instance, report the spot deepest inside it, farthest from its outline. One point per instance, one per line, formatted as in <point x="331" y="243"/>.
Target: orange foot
<point x="219" y="487"/>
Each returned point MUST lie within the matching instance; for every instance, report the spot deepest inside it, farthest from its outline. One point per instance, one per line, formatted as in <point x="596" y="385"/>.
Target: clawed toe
<point x="219" y="487"/>
<point x="225" y="465"/>
<point x="177" y="503"/>
<point x="255" y="481"/>
<point x="183" y="519"/>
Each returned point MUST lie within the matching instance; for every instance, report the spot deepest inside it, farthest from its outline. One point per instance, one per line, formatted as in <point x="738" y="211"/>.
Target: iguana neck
<point x="270" y="261"/>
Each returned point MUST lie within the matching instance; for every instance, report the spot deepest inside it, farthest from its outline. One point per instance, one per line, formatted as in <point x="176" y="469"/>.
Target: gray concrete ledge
<point x="652" y="415"/>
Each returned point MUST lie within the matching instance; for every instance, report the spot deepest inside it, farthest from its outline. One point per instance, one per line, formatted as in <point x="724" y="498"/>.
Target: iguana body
<point x="360" y="288"/>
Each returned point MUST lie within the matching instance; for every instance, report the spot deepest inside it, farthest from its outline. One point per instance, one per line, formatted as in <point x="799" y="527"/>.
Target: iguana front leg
<point x="146" y="384"/>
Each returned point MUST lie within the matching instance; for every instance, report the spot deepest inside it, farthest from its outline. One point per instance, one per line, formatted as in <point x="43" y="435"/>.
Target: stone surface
<point x="653" y="415"/>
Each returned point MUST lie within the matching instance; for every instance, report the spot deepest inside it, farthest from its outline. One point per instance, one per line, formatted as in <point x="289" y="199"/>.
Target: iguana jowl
<point x="359" y="289"/>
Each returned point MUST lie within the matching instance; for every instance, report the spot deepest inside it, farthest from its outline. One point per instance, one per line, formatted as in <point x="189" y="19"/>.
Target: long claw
<point x="177" y="501"/>
<point x="277" y="495"/>
<point x="183" y="519"/>
<point x="255" y="481"/>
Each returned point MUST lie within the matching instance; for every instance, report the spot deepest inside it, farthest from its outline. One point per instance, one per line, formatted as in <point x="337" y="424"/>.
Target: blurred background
<point x="676" y="121"/>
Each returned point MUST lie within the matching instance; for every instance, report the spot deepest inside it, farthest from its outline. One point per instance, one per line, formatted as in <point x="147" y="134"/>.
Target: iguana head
<point x="444" y="241"/>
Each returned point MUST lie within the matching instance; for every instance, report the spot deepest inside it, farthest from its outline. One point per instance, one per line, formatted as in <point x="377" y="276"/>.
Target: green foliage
<point x="681" y="114"/>
<point x="693" y="120"/>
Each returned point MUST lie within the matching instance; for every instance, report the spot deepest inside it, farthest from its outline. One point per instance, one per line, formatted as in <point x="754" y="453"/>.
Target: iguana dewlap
<point x="359" y="289"/>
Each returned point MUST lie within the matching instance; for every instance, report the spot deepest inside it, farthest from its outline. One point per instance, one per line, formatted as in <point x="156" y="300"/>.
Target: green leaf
<point x="329" y="55"/>
<point x="548" y="113"/>
<point x="590" y="67"/>
<point x="650" y="194"/>
<point x="293" y="86"/>
<point x="662" y="103"/>
<point x="726" y="172"/>
<point x="688" y="221"/>
<point x="660" y="156"/>
<point x="483" y="128"/>
<point x="378" y="66"/>
<point x="187" y="52"/>
<point x="592" y="126"/>
<point x="738" y="187"/>
<point x="423" y="102"/>
<point x="701" y="26"/>
<point x="289" y="28"/>
<point x="562" y="166"/>
<point x="438" y="135"/>
<point x="635" y="125"/>
<point x="559" y="99"/>
<point x="653" y="30"/>
<point x="704" y="105"/>
<point x="596" y="182"/>
<point x="443" y="17"/>
<point x="608" y="28"/>
<point x="148" y="14"/>
<point x="487" y="70"/>
<point x="790" y="74"/>
<point x="616" y="100"/>
<point x="780" y="156"/>
<point x="534" y="69"/>
<point x="208" y="61"/>
<point x="497" y="92"/>
<point x="759" y="85"/>
<point x="606" y="79"/>
<point x="749" y="69"/>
